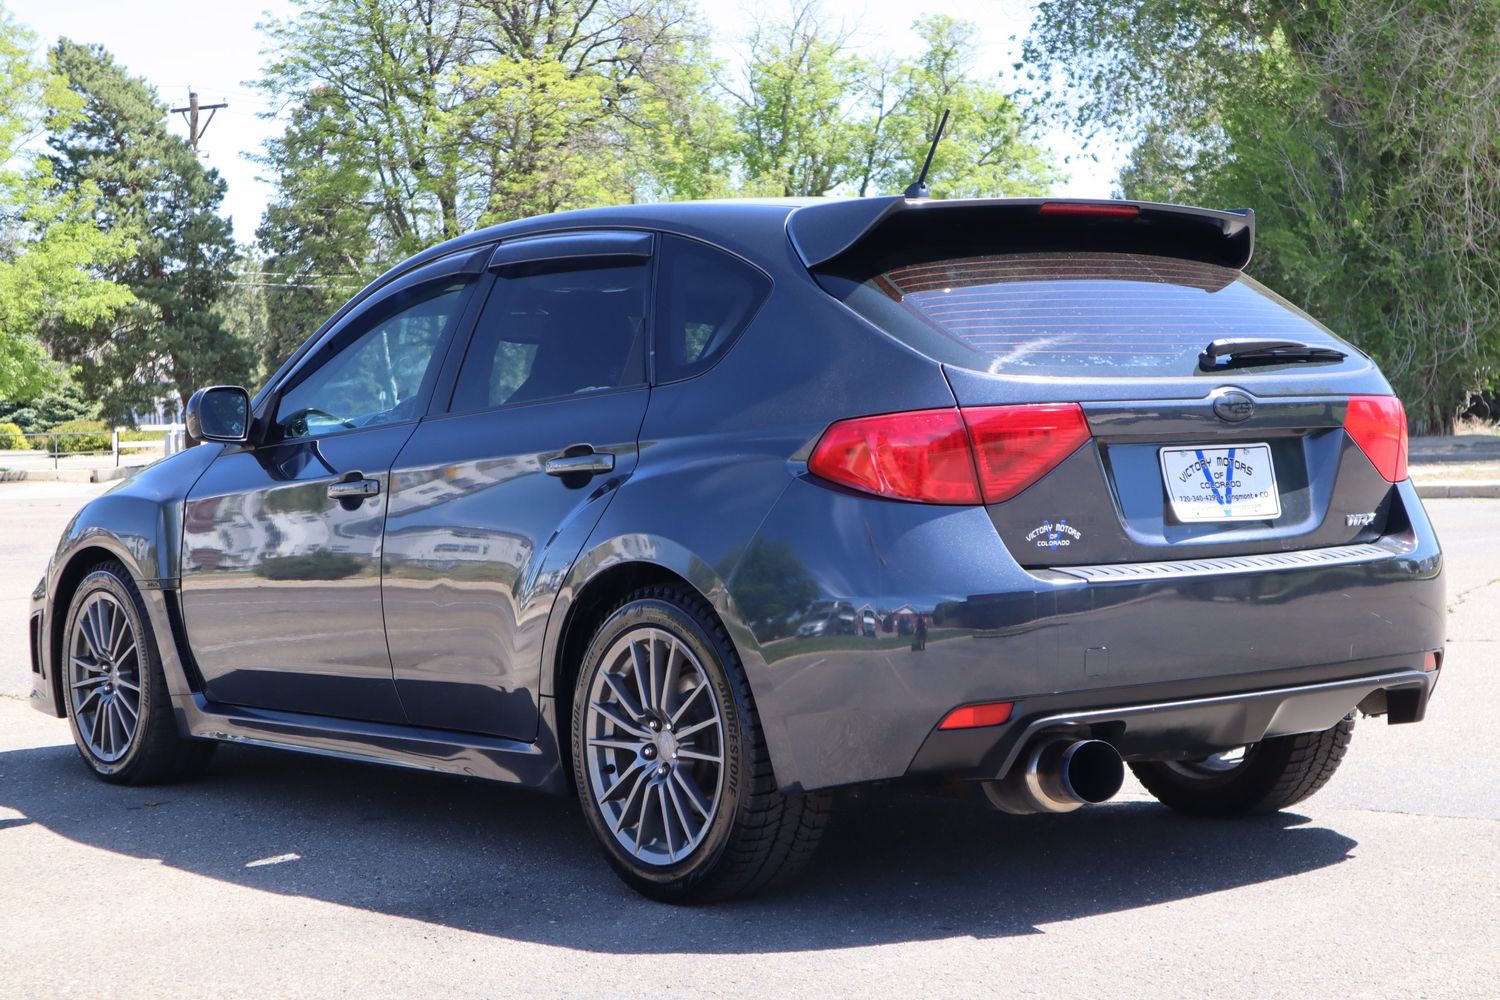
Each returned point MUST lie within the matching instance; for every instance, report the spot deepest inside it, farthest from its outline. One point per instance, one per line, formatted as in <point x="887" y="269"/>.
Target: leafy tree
<point x="583" y="102"/>
<point x="49" y="244"/>
<point x="529" y="120"/>
<point x="458" y="113"/>
<point x="815" y="119"/>
<point x="1362" y="133"/>
<point x="681" y="143"/>
<point x="410" y="121"/>
<point x="793" y="111"/>
<point x="986" y="150"/>
<point x="317" y="237"/>
<point x="382" y="70"/>
<point x="152" y="187"/>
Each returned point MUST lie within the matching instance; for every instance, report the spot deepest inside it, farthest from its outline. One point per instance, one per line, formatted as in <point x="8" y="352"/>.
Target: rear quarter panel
<point x="717" y="450"/>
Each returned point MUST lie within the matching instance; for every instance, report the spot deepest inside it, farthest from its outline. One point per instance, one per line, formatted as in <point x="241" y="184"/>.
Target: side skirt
<point x="531" y="765"/>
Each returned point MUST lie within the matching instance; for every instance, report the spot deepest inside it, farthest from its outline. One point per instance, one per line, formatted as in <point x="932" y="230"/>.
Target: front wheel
<point x="670" y="762"/>
<point x="1261" y="778"/>
<point x="114" y="689"/>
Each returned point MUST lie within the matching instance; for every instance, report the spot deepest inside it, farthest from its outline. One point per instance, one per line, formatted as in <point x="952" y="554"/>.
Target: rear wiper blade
<point x="1237" y="352"/>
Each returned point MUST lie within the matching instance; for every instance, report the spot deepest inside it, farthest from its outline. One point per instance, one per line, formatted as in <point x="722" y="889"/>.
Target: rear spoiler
<point x="859" y="232"/>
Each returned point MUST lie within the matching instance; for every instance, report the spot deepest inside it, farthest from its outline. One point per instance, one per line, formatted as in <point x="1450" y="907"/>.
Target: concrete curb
<point x="1458" y="490"/>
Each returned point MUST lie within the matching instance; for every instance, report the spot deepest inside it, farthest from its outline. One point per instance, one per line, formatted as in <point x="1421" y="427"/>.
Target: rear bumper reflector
<point x="978" y="716"/>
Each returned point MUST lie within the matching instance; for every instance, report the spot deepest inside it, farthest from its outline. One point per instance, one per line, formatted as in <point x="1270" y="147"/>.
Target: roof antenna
<point x="919" y="189"/>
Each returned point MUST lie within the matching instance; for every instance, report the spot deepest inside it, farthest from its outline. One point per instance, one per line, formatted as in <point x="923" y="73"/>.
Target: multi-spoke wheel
<point x="655" y="745"/>
<point x="104" y="676"/>
<point x="114" y="688"/>
<point x="1260" y="778"/>
<point x="669" y="758"/>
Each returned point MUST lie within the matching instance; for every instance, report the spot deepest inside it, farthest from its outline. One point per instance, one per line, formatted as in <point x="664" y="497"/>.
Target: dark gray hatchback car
<point x="702" y="510"/>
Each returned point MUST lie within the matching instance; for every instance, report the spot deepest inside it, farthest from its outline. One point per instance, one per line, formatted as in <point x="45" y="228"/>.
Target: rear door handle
<point x="354" y="489"/>
<point x="591" y="462"/>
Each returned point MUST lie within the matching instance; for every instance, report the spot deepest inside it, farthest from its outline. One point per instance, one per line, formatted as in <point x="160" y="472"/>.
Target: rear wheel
<point x="114" y="689"/>
<point x="1261" y="778"/>
<point x="670" y="762"/>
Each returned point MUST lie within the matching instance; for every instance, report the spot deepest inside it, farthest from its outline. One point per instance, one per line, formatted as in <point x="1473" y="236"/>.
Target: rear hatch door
<point x="1217" y="410"/>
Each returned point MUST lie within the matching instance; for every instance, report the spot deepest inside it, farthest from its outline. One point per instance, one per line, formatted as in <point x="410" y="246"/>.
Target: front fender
<point x="139" y="520"/>
<point x="139" y="523"/>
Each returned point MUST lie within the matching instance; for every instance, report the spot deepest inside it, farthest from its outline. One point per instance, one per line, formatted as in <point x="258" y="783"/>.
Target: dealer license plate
<point x="1237" y="483"/>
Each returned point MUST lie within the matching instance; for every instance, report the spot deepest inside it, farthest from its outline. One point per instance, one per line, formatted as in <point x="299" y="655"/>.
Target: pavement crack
<point x="1426" y="815"/>
<point x="1464" y="595"/>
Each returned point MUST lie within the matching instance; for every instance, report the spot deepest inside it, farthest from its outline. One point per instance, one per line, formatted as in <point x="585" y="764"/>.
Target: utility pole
<point x="191" y="114"/>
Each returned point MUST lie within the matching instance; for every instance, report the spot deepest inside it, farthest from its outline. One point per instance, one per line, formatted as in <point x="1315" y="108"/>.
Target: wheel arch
<point x="600" y="579"/>
<point x="71" y="572"/>
<point x="586" y="613"/>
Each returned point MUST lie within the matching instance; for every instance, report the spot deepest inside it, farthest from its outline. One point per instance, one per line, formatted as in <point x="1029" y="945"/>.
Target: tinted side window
<point x="557" y="332"/>
<point x="379" y="365"/>
<point x="706" y="299"/>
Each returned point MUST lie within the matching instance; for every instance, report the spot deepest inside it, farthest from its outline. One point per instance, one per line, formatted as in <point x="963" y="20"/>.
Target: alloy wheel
<point x="104" y="677"/>
<point x="654" y="746"/>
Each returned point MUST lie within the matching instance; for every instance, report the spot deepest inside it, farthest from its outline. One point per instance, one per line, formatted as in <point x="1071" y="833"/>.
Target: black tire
<point x="756" y="835"/>
<point x="154" y="750"/>
<point x="1274" y="774"/>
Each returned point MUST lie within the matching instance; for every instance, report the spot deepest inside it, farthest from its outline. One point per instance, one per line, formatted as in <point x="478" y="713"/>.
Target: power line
<point x="190" y="113"/>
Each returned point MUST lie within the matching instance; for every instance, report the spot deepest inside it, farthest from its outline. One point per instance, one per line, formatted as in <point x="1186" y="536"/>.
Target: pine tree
<point x="151" y="186"/>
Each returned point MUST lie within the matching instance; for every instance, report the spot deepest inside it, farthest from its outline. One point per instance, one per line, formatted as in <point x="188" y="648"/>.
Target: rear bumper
<point x="844" y="709"/>
<point x="1179" y="728"/>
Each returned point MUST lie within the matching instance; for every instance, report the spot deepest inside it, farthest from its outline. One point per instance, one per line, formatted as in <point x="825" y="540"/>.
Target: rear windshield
<point x="1074" y="313"/>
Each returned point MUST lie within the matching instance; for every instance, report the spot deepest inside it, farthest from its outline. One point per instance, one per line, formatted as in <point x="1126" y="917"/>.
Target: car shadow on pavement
<point x="896" y="866"/>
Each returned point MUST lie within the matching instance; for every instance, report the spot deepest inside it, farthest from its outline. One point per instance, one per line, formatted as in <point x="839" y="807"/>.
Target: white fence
<point x="58" y="445"/>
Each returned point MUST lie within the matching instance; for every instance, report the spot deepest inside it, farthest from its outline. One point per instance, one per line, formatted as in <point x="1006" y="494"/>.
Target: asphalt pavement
<point x="280" y="875"/>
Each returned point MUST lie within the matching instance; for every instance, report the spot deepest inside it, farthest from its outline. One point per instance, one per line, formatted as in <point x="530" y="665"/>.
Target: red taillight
<point x="983" y="454"/>
<point x="1378" y="425"/>
<point x="921" y="455"/>
<point x="1014" y="446"/>
<point x="977" y="716"/>
<point x="1114" y="211"/>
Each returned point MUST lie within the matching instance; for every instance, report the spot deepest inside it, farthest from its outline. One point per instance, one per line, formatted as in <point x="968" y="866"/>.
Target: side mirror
<point x="219" y="413"/>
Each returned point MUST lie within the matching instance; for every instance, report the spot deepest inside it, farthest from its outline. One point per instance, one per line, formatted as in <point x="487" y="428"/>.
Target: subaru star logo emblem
<point x="1233" y="406"/>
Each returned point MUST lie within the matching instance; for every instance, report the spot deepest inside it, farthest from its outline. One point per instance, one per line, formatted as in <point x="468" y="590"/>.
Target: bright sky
<point x="216" y="49"/>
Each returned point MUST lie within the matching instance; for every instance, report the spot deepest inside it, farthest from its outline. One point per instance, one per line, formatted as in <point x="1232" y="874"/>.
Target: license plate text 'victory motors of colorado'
<point x="1233" y="483"/>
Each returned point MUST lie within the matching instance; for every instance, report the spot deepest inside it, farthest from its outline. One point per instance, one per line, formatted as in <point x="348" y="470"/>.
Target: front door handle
<point x="590" y="462"/>
<point x="354" y="489"/>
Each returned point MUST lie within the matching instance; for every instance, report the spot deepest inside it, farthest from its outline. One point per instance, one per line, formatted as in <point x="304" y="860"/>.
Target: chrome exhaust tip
<point x="1057" y="775"/>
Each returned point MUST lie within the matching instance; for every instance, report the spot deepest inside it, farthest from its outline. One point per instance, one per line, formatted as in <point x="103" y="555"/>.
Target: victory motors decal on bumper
<point x="1054" y="535"/>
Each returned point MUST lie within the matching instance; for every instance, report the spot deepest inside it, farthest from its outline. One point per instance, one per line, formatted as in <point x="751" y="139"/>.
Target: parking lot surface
<point x="282" y="875"/>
